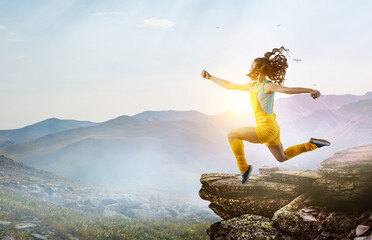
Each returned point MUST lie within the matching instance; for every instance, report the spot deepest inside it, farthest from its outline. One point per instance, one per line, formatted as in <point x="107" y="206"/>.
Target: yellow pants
<point x="267" y="130"/>
<point x="237" y="147"/>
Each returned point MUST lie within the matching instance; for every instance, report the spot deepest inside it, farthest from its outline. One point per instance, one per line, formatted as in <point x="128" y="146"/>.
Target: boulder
<point x="4" y="223"/>
<point x="24" y="226"/>
<point x="245" y="227"/>
<point x="38" y="236"/>
<point x="361" y="229"/>
<point x="295" y="218"/>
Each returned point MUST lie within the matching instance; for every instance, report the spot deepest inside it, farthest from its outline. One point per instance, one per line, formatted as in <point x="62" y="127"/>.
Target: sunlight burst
<point x="239" y="101"/>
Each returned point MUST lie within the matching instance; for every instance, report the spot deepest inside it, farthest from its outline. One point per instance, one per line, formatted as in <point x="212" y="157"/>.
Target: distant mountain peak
<point x="39" y="129"/>
<point x="123" y="119"/>
<point x="53" y="119"/>
<point x="171" y="115"/>
<point x="167" y="111"/>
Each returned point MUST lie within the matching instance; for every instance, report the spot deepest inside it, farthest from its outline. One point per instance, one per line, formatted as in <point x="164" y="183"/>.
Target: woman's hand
<point x="205" y="74"/>
<point x="314" y="93"/>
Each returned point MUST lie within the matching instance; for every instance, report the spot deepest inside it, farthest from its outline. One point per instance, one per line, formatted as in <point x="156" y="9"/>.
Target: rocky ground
<point x="30" y="224"/>
<point x="25" y="181"/>
<point x="53" y="189"/>
<point x="334" y="202"/>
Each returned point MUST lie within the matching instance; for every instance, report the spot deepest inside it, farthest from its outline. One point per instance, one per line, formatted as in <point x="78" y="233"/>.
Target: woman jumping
<point x="273" y="65"/>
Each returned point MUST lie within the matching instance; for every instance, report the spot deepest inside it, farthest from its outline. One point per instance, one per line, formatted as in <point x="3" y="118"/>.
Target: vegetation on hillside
<point x="62" y="222"/>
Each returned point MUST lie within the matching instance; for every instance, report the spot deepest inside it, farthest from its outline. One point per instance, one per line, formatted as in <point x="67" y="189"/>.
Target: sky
<point x="96" y="60"/>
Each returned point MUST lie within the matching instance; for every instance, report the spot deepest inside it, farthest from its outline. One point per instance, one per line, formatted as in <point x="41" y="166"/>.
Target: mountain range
<point x="171" y="149"/>
<point x="34" y="131"/>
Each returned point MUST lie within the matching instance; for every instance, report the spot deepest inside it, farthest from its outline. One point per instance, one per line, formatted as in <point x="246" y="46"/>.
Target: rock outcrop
<point x="262" y="195"/>
<point x="334" y="202"/>
<point x="346" y="178"/>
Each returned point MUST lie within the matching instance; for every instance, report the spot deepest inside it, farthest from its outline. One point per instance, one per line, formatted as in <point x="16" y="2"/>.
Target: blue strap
<point x="271" y="97"/>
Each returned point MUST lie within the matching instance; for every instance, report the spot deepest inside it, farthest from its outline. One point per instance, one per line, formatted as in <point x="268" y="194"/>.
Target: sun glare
<point x="239" y="102"/>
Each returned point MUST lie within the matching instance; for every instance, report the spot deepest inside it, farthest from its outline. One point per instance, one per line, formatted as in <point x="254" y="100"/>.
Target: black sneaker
<point x="320" y="142"/>
<point x="246" y="174"/>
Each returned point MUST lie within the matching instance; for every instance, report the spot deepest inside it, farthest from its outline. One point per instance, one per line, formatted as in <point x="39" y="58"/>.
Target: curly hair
<point x="273" y="68"/>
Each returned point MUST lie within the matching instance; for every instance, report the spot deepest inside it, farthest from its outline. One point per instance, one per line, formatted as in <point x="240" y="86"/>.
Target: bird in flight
<point x="297" y="60"/>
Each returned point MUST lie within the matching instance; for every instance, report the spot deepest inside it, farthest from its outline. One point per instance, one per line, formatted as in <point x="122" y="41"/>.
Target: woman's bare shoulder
<point x="270" y="87"/>
<point x="251" y="84"/>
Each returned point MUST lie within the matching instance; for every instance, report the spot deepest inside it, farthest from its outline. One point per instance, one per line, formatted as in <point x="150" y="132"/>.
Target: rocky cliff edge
<point x="334" y="202"/>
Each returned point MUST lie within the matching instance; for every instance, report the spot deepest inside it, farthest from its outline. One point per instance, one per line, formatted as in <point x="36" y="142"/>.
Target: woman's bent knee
<point x="278" y="152"/>
<point x="280" y="157"/>
<point x="232" y="136"/>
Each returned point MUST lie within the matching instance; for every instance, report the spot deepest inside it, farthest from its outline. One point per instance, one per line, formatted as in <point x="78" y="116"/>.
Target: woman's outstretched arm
<point x="272" y="87"/>
<point x="226" y="84"/>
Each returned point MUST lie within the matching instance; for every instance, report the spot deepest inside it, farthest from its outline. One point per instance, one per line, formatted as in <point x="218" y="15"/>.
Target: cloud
<point x="17" y="40"/>
<point x="5" y="28"/>
<point x="103" y="14"/>
<point x="158" y="22"/>
<point x="21" y="56"/>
